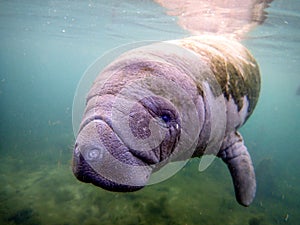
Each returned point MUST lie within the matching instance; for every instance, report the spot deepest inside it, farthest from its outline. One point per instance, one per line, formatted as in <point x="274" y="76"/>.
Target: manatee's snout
<point x="121" y="155"/>
<point x="102" y="159"/>
<point x="86" y="171"/>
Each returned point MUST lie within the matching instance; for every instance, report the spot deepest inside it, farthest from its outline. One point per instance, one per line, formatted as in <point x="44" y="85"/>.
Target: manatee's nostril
<point x="94" y="154"/>
<point x="76" y="150"/>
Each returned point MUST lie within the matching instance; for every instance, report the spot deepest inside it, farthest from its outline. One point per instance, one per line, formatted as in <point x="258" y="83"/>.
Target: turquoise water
<point x="45" y="48"/>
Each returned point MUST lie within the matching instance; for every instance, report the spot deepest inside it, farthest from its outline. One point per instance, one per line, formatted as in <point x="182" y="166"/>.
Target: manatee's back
<point x="232" y="65"/>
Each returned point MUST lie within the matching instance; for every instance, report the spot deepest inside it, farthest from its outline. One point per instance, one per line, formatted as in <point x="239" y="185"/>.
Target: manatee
<point x="166" y="102"/>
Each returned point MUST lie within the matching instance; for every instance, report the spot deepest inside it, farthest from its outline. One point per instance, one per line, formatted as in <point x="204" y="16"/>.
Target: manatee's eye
<point x="166" y="118"/>
<point x="162" y="110"/>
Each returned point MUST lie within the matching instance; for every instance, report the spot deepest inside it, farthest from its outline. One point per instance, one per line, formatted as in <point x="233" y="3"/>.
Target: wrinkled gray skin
<point x="219" y="76"/>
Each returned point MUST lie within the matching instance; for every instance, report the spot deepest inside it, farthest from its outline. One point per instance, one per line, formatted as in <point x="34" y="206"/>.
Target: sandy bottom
<point x="38" y="187"/>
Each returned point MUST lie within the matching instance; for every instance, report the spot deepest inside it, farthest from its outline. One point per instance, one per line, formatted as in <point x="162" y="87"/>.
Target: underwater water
<point x="45" y="48"/>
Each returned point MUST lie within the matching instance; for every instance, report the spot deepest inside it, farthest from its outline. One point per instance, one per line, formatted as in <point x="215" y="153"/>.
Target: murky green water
<point x="45" y="47"/>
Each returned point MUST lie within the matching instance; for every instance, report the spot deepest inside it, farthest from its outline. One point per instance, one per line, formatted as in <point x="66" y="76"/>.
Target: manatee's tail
<point x="239" y="162"/>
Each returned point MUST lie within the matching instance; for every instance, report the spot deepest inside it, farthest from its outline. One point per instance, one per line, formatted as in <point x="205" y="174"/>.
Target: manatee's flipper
<point x="234" y="153"/>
